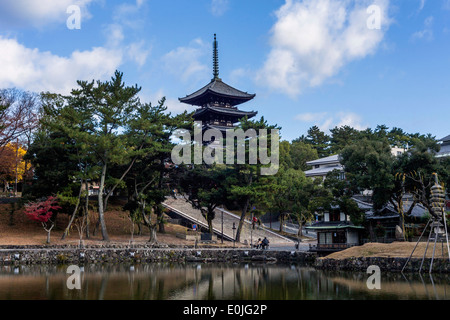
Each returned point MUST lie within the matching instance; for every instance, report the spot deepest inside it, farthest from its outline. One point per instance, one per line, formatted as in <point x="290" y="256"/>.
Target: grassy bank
<point x="392" y="250"/>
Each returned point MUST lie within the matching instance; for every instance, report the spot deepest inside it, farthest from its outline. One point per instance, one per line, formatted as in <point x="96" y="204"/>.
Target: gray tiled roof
<point x="445" y="151"/>
<point x="362" y="204"/>
<point x="389" y="211"/>
<point x="217" y="88"/>
<point x="333" y="225"/>
<point x="225" y="111"/>
<point x="322" y="171"/>
<point x="217" y="127"/>
<point x="327" y="160"/>
<point x="446" y="139"/>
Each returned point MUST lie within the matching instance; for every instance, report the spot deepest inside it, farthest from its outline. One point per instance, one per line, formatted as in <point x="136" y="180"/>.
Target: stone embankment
<point x="144" y="254"/>
<point x="385" y="264"/>
<point x="50" y="255"/>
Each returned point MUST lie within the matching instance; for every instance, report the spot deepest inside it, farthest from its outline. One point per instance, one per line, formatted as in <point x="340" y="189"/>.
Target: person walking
<point x="254" y="221"/>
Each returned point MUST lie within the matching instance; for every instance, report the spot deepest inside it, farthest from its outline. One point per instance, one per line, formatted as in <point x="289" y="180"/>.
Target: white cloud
<point x="350" y="119"/>
<point x="422" y="4"/>
<point x="446" y="5"/>
<point x="186" y="62"/>
<point x="114" y="34"/>
<point x="122" y="33"/>
<point x="326" y="121"/>
<point x="240" y="75"/>
<point x="311" y="117"/>
<point x="138" y="52"/>
<point x="34" y="70"/>
<point x="131" y="15"/>
<point x="219" y="7"/>
<point x="38" y="13"/>
<point x="427" y="32"/>
<point x="135" y="51"/>
<point x="173" y="105"/>
<point x="313" y="40"/>
<point x="139" y="3"/>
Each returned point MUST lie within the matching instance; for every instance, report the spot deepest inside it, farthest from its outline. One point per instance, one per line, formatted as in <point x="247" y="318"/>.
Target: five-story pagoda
<point x="218" y="101"/>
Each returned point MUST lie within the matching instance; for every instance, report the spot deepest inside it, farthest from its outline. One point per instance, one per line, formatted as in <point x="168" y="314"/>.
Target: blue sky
<point x="310" y="62"/>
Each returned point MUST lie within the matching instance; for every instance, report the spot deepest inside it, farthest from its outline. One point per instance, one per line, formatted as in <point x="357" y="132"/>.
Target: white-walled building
<point x="321" y="167"/>
<point x="445" y="147"/>
<point x="334" y="229"/>
<point x="335" y="232"/>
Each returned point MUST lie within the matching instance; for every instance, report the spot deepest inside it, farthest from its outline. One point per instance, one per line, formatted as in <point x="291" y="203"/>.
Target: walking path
<point x="291" y="228"/>
<point x="248" y="234"/>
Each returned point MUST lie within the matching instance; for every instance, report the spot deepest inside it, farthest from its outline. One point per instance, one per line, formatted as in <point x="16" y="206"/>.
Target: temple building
<point x="218" y="101"/>
<point x="445" y="148"/>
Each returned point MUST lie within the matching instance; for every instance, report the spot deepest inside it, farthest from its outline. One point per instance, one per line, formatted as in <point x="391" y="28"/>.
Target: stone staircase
<point x="248" y="235"/>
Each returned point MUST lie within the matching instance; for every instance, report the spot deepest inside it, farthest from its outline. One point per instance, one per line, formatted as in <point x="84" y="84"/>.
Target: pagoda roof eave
<point x="226" y="111"/>
<point x="217" y="88"/>
<point x="218" y="127"/>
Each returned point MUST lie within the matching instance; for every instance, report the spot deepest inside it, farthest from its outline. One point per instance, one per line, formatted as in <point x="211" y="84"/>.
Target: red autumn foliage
<point x="42" y="211"/>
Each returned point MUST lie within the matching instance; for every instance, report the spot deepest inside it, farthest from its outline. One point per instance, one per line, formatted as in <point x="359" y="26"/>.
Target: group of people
<point x="262" y="244"/>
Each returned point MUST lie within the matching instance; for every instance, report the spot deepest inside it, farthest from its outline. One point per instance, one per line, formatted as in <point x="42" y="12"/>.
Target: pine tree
<point x="319" y="140"/>
<point x="147" y="182"/>
<point x="247" y="184"/>
<point x="111" y="104"/>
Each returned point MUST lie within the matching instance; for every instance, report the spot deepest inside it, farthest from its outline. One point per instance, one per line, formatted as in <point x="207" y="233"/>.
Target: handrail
<point x="188" y="217"/>
<point x="249" y="222"/>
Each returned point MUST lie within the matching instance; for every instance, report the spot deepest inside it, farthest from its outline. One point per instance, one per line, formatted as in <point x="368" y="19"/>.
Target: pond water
<point x="213" y="282"/>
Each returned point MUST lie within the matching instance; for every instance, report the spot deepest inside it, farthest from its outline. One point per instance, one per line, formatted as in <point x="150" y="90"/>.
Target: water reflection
<point x="212" y="282"/>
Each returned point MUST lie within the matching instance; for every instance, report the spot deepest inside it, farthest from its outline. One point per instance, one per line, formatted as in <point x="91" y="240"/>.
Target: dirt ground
<point x="392" y="250"/>
<point x="23" y="231"/>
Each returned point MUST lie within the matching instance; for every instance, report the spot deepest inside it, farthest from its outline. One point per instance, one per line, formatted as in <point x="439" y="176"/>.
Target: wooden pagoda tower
<point x="217" y="101"/>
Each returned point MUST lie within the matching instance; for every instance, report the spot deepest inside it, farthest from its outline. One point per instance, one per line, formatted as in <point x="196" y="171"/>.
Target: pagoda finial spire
<point x="216" y="59"/>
